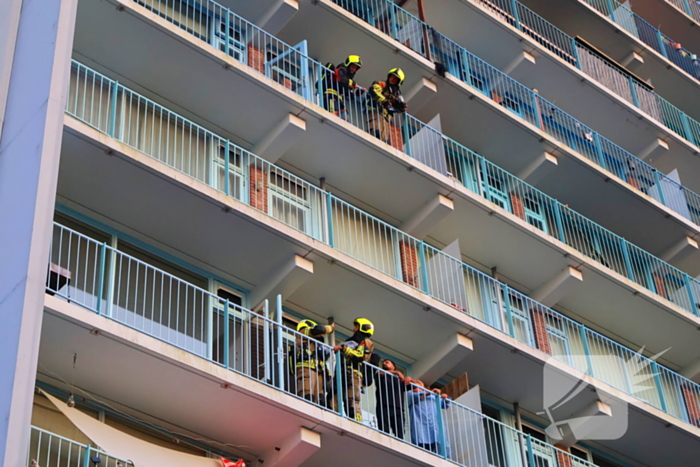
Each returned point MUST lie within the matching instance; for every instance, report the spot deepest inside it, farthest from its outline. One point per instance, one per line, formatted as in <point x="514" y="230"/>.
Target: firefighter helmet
<point x="398" y="72"/>
<point x="305" y="323"/>
<point x="353" y="60"/>
<point x="365" y="326"/>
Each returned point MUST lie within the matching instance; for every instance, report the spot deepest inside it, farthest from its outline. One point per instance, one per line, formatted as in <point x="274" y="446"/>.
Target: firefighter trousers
<point x="310" y="384"/>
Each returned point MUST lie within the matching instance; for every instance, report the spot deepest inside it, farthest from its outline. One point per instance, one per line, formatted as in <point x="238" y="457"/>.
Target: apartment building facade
<point x="176" y="199"/>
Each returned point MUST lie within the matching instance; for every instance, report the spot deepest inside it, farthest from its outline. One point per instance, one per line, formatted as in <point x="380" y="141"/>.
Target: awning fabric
<point x="119" y="444"/>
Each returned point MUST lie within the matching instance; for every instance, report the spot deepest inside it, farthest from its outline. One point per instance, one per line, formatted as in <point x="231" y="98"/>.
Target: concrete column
<point x="284" y="280"/>
<point x="29" y="158"/>
<point x="280" y="139"/>
<point x="427" y="217"/>
<point x="557" y="287"/>
<point x="294" y="450"/>
<point x="278" y="15"/>
<point x="9" y="23"/>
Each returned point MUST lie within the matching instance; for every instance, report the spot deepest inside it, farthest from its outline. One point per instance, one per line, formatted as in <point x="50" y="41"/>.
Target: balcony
<point x="51" y="450"/>
<point x="323" y="131"/>
<point x="123" y="289"/>
<point x="555" y="78"/>
<point x="557" y="81"/>
<point x="329" y="221"/>
<point x="690" y="8"/>
<point x="207" y="157"/>
<point x="671" y="68"/>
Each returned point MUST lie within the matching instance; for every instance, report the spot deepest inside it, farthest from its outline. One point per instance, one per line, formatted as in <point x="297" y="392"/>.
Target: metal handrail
<point x="48" y="449"/>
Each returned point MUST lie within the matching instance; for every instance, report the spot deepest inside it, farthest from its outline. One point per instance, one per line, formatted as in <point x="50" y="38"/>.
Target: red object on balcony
<point x="228" y="463"/>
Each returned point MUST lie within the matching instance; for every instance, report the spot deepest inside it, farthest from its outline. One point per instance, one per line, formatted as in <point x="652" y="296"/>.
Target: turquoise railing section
<point x="48" y="449"/>
<point x="168" y="308"/>
<point x="642" y="30"/>
<point x="100" y="102"/>
<point x="232" y="170"/>
<point x="613" y="77"/>
<point x="389" y="18"/>
<point x="689" y="7"/>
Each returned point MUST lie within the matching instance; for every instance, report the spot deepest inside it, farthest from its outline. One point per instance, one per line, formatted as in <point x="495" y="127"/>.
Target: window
<point x="461" y="166"/>
<point x="603" y="461"/>
<point x="289" y="201"/>
<point x="579" y="453"/>
<point x="236" y="179"/>
<point x="236" y="39"/>
<point x="497" y="190"/>
<point x="494" y="437"/>
<point x="521" y="318"/>
<point x="534" y="214"/>
<point x="542" y="452"/>
<point x="286" y="68"/>
<point x="558" y="338"/>
<point x="479" y="82"/>
<point x="513" y="104"/>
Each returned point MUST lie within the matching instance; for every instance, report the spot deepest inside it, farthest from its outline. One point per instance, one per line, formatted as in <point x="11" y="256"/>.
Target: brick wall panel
<point x="256" y="58"/>
<point x="518" y="206"/>
<point x="409" y="263"/>
<point x="258" y="187"/>
<point x="692" y="405"/>
<point x="539" y="328"/>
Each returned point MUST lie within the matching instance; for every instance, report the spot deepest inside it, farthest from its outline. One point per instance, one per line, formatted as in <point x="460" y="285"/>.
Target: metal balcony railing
<point x="170" y="138"/>
<point x="47" y="449"/>
<point x="389" y="18"/>
<point x="217" y="162"/>
<point x="642" y="30"/>
<point x="129" y="291"/>
<point x="689" y="7"/>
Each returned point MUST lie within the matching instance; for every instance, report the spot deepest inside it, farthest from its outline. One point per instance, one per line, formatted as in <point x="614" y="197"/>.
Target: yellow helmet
<point x="353" y="60"/>
<point x="398" y="72"/>
<point x="305" y="323"/>
<point x="365" y="325"/>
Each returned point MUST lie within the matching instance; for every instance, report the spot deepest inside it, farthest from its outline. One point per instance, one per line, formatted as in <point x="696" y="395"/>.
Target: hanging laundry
<point x="589" y="136"/>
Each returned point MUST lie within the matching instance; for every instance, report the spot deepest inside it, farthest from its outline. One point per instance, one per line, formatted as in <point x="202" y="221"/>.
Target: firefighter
<point x="308" y="361"/>
<point x="384" y="99"/>
<point x="339" y="84"/>
<point x="356" y="351"/>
